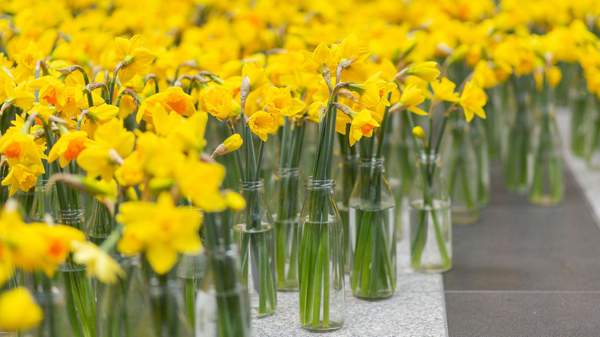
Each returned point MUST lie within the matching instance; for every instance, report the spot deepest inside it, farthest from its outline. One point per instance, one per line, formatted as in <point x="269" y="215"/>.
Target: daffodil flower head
<point x="18" y="310"/>
<point x="472" y="100"/>
<point x="427" y="71"/>
<point x="362" y="125"/>
<point x="68" y="147"/>
<point x="443" y="90"/>
<point x="263" y="124"/>
<point x="160" y="230"/>
<point x="99" y="264"/>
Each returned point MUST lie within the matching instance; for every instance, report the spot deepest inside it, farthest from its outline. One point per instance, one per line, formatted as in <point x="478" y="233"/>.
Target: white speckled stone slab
<point x="416" y="310"/>
<point x="589" y="180"/>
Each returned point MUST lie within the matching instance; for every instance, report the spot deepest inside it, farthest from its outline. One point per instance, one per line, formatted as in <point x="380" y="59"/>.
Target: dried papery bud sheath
<point x="229" y="145"/>
<point x="115" y="157"/>
<point x="244" y="90"/>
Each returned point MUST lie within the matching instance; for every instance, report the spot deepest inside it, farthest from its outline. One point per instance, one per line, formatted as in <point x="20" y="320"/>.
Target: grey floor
<point x="525" y="270"/>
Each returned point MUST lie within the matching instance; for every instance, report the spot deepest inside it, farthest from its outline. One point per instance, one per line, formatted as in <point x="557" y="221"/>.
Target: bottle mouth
<point x="372" y="162"/>
<point x="252" y="185"/>
<point x="320" y="184"/>
<point x="288" y="171"/>
<point x="428" y="157"/>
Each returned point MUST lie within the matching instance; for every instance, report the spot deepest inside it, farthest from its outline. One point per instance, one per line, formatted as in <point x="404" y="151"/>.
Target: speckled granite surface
<point x="417" y="310"/>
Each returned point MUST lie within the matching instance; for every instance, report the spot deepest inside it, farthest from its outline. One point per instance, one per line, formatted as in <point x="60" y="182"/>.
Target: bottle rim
<point x="372" y="162"/>
<point x="288" y="171"/>
<point x="252" y="185"/>
<point x="319" y="184"/>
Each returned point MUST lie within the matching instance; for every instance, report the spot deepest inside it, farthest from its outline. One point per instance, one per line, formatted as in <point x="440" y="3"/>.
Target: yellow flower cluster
<point x="40" y="247"/>
<point x="128" y="95"/>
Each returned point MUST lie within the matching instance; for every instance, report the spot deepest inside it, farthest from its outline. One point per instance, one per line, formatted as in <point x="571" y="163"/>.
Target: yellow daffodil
<point x="135" y="58"/>
<point x="68" y="147"/>
<point x="103" y="112"/>
<point x="411" y="97"/>
<point x="160" y="231"/>
<point x="208" y="197"/>
<point x="111" y="143"/>
<point x="18" y="310"/>
<point x="98" y="263"/>
<point x="362" y="125"/>
<point x="234" y="200"/>
<point x="219" y="101"/>
<point x="428" y="71"/>
<point x="263" y="124"/>
<point x="279" y="101"/>
<point x="472" y="100"/>
<point x="443" y="90"/>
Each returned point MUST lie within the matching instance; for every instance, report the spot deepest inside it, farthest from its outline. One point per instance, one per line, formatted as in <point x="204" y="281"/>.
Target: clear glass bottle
<point x="79" y="298"/>
<point x="592" y="152"/>
<point x="482" y="155"/>
<point x="222" y="304"/>
<point x="287" y="227"/>
<point x="191" y="271"/>
<point x="430" y="218"/>
<point x="372" y="233"/>
<point x="123" y="306"/>
<point x="168" y="315"/>
<point x="461" y="171"/>
<point x="346" y="177"/>
<point x="43" y="203"/>
<point x="99" y="222"/>
<point x="516" y="166"/>
<point x="49" y="295"/>
<point x="582" y="106"/>
<point x="254" y="234"/>
<point x="546" y="160"/>
<point x="321" y="265"/>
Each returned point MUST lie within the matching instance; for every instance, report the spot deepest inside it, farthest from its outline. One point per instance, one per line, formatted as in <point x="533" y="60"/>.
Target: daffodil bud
<point x="229" y="145"/>
<point x="234" y="200"/>
<point x="418" y="132"/>
<point x="428" y="71"/>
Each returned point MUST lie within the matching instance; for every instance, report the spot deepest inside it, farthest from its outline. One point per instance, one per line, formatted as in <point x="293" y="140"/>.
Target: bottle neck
<point x="428" y="159"/>
<point x="320" y="184"/>
<point x="252" y="185"/>
<point x="288" y="172"/>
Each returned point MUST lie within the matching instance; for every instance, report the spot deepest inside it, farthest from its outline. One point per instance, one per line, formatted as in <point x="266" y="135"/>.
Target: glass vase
<point x="372" y="233"/>
<point x="518" y="139"/>
<point x="430" y="218"/>
<point x="43" y="203"/>
<point x="80" y="299"/>
<point x="99" y="222"/>
<point x="582" y="107"/>
<point x="346" y="175"/>
<point x="401" y="173"/>
<point x="592" y="152"/>
<point x="168" y="315"/>
<point x="257" y="250"/>
<point x="461" y="170"/>
<point x="482" y="159"/>
<point x="547" y="167"/>
<point x="123" y="308"/>
<point x="321" y="265"/>
<point x="191" y="271"/>
<point x="222" y="304"/>
<point x="287" y="227"/>
<point x="49" y="295"/>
